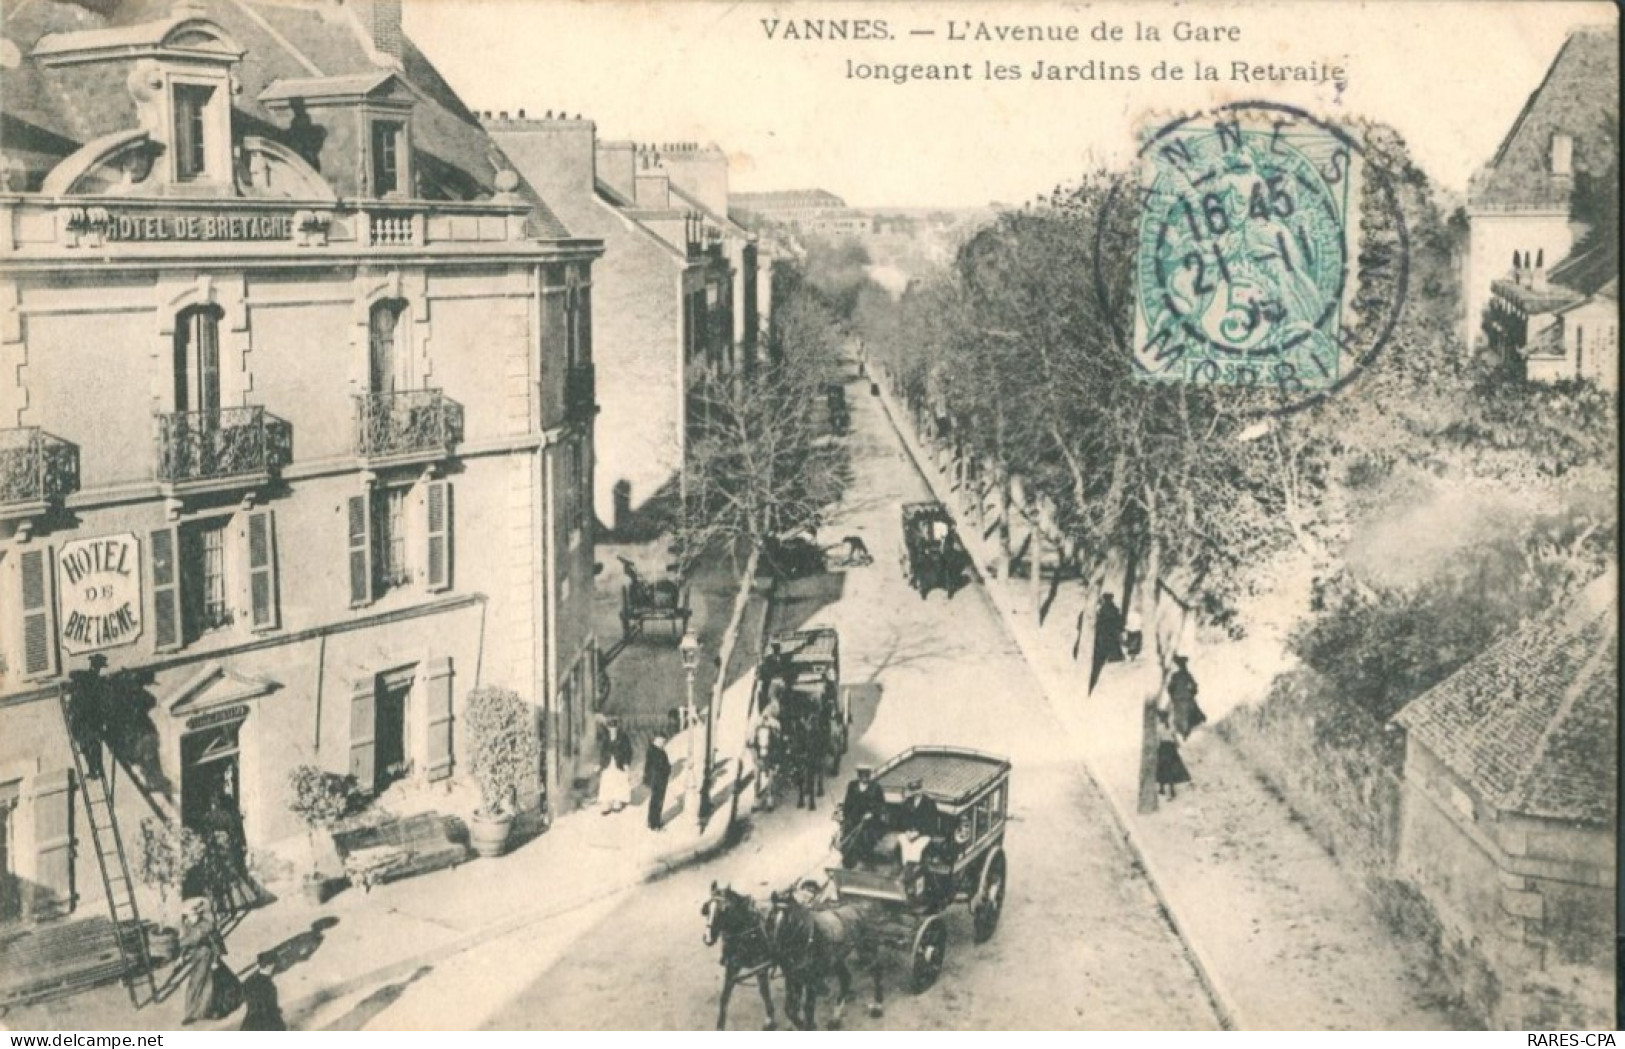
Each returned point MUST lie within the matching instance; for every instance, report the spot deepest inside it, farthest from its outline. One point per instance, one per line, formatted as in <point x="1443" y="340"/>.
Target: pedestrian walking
<point x="1185" y="714"/>
<point x="211" y="988"/>
<point x="656" y="774"/>
<point x="1108" y="637"/>
<point x="264" y="1009"/>
<point x="1171" y="770"/>
<point x="615" y="778"/>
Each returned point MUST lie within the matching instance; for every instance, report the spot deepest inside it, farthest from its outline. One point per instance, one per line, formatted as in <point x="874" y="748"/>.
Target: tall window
<point x="203" y="570"/>
<point x="191" y="140"/>
<point x="389" y="517"/>
<point x="384" y="339"/>
<point x="386" y="157"/>
<point x="197" y="360"/>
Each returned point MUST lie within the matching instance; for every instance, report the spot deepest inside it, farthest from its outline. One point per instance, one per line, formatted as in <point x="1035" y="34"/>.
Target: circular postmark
<point x="1270" y="256"/>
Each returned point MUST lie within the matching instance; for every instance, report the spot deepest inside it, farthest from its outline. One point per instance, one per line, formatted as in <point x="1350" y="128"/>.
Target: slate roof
<point x="1574" y="98"/>
<point x="48" y="113"/>
<point x="1530" y="724"/>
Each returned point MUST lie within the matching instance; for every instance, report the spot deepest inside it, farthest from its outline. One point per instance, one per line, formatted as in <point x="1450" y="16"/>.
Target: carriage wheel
<point x="988" y="903"/>
<point x="930" y="948"/>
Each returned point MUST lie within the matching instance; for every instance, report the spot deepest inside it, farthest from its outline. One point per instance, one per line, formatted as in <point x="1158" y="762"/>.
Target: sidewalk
<point x="1281" y="936"/>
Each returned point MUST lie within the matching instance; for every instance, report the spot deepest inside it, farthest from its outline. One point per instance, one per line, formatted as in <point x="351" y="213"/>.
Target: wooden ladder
<point x="114" y="868"/>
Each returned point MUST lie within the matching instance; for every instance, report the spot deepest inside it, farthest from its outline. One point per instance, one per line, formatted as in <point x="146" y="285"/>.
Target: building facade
<point x="1537" y="199"/>
<point x="1509" y="823"/>
<point x="679" y="289"/>
<point x="297" y="412"/>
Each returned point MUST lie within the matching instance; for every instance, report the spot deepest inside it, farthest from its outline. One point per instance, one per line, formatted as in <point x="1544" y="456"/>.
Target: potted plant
<point x="504" y="752"/>
<point x="318" y="799"/>
<point x="167" y="855"/>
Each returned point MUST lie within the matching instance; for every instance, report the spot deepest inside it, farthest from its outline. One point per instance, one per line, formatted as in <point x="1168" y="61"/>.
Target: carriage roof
<point x="921" y="509"/>
<point x="815" y="645"/>
<point x="950" y="776"/>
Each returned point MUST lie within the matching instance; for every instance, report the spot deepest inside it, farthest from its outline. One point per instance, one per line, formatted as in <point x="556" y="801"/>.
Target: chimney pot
<point x="503" y="115"/>
<point x="521" y="114"/>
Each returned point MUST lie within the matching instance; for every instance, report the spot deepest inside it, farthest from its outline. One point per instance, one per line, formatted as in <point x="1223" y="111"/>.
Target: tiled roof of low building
<point x="1530" y="723"/>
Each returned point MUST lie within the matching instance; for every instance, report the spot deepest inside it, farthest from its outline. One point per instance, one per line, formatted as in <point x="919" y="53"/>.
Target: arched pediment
<point x="199" y="34"/>
<point x="116" y="163"/>
<point x="274" y="170"/>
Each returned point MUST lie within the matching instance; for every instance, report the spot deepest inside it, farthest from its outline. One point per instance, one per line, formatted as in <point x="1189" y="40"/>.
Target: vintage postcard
<point x="548" y="514"/>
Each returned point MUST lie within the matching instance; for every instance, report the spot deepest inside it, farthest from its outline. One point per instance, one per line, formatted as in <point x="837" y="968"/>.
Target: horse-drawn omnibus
<point x="893" y="903"/>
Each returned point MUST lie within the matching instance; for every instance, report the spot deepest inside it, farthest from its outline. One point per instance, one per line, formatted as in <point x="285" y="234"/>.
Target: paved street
<point x="1082" y="943"/>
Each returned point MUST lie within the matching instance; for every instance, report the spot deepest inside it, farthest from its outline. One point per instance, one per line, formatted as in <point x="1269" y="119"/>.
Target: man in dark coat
<point x="264" y="1012"/>
<point x="656" y="774"/>
<point x="864" y="801"/>
<point x="87" y="720"/>
<point x="1187" y="716"/>
<point x="918" y="813"/>
<point x="1108" y="637"/>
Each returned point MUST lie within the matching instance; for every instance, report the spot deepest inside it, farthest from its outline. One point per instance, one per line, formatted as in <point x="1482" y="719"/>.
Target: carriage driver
<point x="863" y="813"/>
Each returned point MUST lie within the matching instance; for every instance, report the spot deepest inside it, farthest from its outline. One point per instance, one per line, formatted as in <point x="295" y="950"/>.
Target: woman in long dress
<point x="201" y="951"/>
<point x="1171" y="770"/>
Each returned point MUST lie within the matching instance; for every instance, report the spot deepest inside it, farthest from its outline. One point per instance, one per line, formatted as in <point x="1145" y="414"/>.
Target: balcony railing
<point x="414" y="422"/>
<point x="580" y="391"/>
<point x="230" y="442"/>
<point x="36" y="468"/>
<point x="392" y="229"/>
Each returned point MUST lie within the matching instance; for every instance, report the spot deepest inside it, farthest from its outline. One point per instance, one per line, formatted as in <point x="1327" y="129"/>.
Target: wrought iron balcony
<point x="580" y="391"/>
<point x="36" y="469"/>
<point x="226" y="445"/>
<point x="411" y="424"/>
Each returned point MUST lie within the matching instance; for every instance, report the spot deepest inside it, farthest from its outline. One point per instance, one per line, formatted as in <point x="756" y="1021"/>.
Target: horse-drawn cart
<point x="964" y="863"/>
<point x="932" y="555"/>
<point x="662" y="600"/>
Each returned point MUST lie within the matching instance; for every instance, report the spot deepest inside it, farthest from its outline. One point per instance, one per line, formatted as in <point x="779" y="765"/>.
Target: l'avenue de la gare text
<point x="979" y="31"/>
<point x="1096" y="70"/>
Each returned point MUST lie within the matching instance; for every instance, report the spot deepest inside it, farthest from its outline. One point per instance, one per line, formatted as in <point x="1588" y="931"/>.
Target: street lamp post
<point x="689" y="648"/>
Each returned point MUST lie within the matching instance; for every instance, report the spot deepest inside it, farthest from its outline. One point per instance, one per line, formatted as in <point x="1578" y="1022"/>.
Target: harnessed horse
<point x="733" y="920"/>
<point x="812" y="942"/>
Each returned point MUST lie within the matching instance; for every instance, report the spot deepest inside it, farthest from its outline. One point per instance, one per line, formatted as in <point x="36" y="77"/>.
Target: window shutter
<point x="364" y="732"/>
<point x="437" y="699"/>
<point x="437" y="500"/>
<point x="166" y="588"/>
<point x="264" y="608"/>
<point x="360" y="532"/>
<point x="53" y="844"/>
<point x="39" y="613"/>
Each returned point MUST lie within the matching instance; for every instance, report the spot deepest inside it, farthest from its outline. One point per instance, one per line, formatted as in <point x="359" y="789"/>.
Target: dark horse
<point x="813" y="942"/>
<point x="732" y="919"/>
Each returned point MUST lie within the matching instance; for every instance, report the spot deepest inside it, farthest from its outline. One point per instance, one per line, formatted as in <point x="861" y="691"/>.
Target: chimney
<point x="556" y="158"/>
<point x="701" y="171"/>
<point x="1537" y="279"/>
<point x="381" y="22"/>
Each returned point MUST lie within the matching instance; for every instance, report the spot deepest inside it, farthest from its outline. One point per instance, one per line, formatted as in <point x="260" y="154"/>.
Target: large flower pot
<point x="489" y="834"/>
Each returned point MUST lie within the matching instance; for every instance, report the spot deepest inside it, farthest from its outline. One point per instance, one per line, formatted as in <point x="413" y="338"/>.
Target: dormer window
<point x="387" y="136"/>
<point x="191" y="131"/>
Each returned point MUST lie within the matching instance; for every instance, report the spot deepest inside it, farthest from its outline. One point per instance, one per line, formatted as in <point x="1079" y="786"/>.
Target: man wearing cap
<point x="861" y="814"/>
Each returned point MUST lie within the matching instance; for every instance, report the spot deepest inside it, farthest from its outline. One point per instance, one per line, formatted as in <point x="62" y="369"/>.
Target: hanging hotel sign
<point x="192" y="225"/>
<point x="98" y="584"/>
